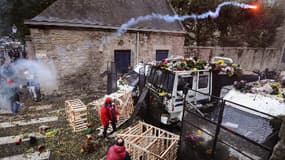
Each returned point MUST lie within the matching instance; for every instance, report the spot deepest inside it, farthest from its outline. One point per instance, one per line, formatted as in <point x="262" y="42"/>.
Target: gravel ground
<point x="65" y="145"/>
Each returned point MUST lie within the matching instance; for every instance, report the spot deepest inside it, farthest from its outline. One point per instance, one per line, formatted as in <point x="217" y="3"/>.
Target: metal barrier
<point x="227" y="131"/>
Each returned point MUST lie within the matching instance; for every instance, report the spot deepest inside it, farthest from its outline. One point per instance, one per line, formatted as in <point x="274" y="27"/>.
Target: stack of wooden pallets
<point x="76" y="112"/>
<point x="144" y="141"/>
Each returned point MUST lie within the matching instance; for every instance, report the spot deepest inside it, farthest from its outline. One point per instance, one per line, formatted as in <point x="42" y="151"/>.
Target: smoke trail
<point x="168" y="18"/>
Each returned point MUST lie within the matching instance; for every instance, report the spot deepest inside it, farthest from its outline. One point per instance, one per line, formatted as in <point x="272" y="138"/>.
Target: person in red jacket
<point x="118" y="151"/>
<point x="108" y="113"/>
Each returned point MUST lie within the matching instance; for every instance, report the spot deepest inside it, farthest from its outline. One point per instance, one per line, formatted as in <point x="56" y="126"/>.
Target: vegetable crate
<point x="144" y="141"/>
<point x="76" y="112"/>
<point x="124" y="104"/>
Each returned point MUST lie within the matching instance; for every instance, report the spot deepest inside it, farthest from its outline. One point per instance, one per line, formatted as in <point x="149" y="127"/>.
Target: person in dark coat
<point x="108" y="113"/>
<point x="12" y="93"/>
<point x="118" y="151"/>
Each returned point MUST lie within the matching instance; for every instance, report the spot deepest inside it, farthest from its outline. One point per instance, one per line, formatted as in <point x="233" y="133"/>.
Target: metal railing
<point x="208" y="137"/>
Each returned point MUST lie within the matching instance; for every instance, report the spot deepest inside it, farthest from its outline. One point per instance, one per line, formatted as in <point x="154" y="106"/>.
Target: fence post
<point x="220" y="119"/>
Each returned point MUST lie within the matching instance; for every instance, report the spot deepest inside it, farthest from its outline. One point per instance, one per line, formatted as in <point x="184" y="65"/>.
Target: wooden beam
<point x="168" y="148"/>
<point x="13" y="139"/>
<point x="24" y="122"/>
<point x="142" y="136"/>
<point x="27" y="156"/>
<point x="143" y="149"/>
<point x="158" y="128"/>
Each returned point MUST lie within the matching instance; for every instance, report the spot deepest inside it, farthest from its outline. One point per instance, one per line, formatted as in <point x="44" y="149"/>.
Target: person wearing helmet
<point x="108" y="113"/>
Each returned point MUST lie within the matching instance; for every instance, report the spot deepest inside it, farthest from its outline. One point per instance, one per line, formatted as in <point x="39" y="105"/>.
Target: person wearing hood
<point x="118" y="151"/>
<point x="108" y="113"/>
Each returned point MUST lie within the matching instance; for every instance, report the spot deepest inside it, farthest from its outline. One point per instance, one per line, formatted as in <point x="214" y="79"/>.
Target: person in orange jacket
<point x="108" y="113"/>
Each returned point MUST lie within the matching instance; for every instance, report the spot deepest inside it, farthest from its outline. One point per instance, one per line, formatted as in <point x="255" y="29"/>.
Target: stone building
<point x="69" y="33"/>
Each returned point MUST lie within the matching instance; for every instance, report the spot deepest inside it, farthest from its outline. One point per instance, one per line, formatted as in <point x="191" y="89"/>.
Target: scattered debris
<point x="88" y="146"/>
<point x="19" y="141"/>
<point x="41" y="148"/>
<point x="88" y="131"/>
<point x="43" y="129"/>
<point x="51" y="132"/>
<point x="33" y="141"/>
<point x="269" y="87"/>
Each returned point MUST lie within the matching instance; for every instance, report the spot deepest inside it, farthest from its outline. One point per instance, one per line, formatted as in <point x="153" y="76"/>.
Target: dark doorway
<point x="122" y="60"/>
<point x="161" y="54"/>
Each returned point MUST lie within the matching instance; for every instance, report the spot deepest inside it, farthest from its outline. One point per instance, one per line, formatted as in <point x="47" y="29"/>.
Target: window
<point x="167" y="82"/>
<point x="170" y="82"/>
<point x="183" y="81"/>
<point x="203" y="82"/>
<point x="161" y="54"/>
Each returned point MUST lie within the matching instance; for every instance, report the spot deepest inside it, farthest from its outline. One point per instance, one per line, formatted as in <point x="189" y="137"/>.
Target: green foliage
<point x="234" y="26"/>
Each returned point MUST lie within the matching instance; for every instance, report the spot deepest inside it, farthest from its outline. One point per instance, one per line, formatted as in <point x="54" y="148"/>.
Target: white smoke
<point x="22" y="71"/>
<point x="44" y="73"/>
<point x="172" y="18"/>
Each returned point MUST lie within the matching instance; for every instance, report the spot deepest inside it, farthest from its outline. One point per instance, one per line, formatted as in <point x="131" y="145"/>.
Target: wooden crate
<point x="124" y="104"/>
<point x="144" y="141"/>
<point x="76" y="112"/>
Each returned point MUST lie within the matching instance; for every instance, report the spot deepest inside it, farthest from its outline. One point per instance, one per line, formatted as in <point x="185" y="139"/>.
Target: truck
<point x="179" y="82"/>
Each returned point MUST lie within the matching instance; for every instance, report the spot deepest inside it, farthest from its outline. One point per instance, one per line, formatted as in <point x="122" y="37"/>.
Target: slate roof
<point x="109" y="14"/>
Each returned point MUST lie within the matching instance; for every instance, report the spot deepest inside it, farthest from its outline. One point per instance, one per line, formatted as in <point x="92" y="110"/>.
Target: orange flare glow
<point x="254" y="7"/>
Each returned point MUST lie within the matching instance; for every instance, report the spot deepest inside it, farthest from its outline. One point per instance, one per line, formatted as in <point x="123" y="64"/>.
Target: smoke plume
<point x="172" y="18"/>
<point x="16" y="74"/>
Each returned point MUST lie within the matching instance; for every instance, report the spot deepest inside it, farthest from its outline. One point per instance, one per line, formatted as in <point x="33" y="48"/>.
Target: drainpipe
<point x="137" y="46"/>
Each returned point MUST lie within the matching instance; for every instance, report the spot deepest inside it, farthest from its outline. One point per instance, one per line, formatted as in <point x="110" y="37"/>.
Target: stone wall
<point x="81" y="59"/>
<point x="249" y="58"/>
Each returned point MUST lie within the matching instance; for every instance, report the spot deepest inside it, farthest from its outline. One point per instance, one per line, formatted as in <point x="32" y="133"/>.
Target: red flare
<point x="9" y="81"/>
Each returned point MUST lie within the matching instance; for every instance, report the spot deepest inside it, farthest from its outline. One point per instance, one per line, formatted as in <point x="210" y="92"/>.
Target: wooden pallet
<point x="76" y="112"/>
<point x="144" y="141"/>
